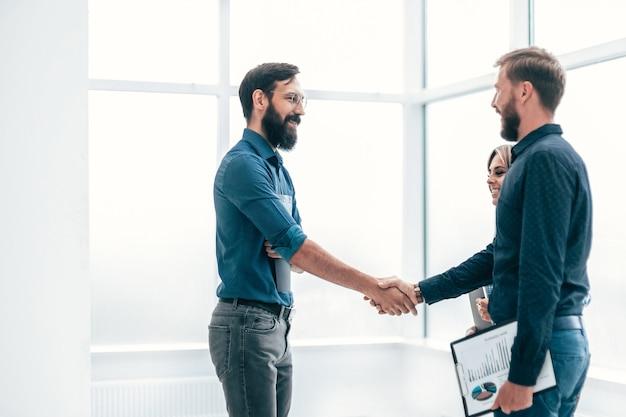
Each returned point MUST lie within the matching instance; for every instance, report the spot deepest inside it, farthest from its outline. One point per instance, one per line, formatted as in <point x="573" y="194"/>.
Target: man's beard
<point x="510" y="122"/>
<point x="279" y="132"/>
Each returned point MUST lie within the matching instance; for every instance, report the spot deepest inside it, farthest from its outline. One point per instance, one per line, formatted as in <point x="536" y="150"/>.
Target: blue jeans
<point x="570" y="357"/>
<point x="252" y="359"/>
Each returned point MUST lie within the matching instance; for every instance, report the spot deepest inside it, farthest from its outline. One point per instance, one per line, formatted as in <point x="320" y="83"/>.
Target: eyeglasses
<point x="294" y="99"/>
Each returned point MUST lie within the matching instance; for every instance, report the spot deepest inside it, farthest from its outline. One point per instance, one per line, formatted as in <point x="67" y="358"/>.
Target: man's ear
<point x="259" y="99"/>
<point x="527" y="90"/>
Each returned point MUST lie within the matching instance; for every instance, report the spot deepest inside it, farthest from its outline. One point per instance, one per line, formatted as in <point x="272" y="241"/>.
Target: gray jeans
<point x="252" y="359"/>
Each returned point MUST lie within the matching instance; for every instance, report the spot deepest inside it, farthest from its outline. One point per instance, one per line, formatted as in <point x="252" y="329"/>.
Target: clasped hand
<point x="394" y="284"/>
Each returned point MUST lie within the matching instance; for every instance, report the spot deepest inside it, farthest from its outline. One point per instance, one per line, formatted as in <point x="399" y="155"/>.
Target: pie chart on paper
<point x="484" y="391"/>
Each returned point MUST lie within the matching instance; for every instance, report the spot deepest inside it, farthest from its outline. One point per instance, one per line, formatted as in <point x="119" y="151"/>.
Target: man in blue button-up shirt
<point x="259" y="238"/>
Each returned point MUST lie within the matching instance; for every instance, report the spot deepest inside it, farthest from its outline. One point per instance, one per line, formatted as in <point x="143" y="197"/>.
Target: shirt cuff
<point x="294" y="238"/>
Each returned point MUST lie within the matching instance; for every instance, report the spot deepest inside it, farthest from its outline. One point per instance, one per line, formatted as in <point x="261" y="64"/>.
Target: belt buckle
<point x="287" y="312"/>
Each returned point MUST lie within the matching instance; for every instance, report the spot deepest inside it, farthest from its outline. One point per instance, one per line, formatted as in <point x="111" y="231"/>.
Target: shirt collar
<point x="261" y="146"/>
<point x="533" y="137"/>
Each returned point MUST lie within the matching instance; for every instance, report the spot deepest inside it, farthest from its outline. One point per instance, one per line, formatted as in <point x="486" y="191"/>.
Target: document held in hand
<point x="482" y="362"/>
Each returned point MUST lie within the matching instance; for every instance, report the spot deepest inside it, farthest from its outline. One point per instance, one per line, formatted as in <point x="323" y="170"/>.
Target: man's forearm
<point x="315" y="260"/>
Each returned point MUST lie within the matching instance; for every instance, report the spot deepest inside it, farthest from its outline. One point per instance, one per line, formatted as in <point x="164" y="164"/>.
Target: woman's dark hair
<point x="263" y="77"/>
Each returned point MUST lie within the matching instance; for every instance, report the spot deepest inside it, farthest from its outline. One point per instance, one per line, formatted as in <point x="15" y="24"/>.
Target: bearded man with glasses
<point x="259" y="239"/>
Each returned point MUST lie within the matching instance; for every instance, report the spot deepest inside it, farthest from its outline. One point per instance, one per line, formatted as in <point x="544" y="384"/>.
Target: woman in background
<point x="497" y="166"/>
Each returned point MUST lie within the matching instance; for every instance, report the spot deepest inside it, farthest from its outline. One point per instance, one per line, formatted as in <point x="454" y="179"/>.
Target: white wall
<point x="44" y="283"/>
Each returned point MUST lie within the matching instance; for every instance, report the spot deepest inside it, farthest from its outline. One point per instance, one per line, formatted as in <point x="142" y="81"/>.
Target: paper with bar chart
<point x="482" y="363"/>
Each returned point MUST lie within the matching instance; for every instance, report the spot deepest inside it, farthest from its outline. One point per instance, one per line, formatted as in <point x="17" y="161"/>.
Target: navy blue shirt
<point x="543" y="240"/>
<point x="247" y="195"/>
<point x="537" y="261"/>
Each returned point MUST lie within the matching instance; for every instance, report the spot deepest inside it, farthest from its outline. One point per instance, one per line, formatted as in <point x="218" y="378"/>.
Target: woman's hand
<point x="482" y="305"/>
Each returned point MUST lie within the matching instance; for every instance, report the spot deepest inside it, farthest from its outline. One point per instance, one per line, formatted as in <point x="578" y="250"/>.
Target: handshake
<point x="407" y="296"/>
<point x="391" y="295"/>
<point x="394" y="296"/>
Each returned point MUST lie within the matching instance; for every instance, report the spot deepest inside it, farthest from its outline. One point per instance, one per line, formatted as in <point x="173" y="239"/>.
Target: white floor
<point x="369" y="379"/>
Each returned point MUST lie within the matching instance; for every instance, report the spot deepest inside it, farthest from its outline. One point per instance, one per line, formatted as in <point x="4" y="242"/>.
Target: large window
<point x="164" y="108"/>
<point x="152" y="152"/>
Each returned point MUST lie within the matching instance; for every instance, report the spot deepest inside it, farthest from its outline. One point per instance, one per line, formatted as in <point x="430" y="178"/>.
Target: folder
<point x="478" y="321"/>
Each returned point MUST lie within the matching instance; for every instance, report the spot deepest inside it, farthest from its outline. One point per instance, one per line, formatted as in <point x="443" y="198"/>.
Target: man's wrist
<point x="418" y="294"/>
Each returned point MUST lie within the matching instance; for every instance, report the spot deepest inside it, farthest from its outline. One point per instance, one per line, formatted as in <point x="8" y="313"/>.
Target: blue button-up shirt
<point x="537" y="262"/>
<point x="247" y="195"/>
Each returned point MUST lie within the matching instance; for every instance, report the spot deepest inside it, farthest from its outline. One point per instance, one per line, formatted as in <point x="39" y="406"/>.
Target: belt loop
<point x="282" y="311"/>
<point x="235" y="302"/>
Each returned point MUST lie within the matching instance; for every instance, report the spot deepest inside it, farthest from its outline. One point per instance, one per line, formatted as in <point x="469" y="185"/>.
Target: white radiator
<point x="172" y="397"/>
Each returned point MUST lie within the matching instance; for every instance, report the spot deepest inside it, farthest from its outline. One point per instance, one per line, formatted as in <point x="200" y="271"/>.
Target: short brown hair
<point x="540" y="68"/>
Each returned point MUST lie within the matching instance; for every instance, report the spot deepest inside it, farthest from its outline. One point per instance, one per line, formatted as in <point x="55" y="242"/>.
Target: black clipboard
<point x="482" y="363"/>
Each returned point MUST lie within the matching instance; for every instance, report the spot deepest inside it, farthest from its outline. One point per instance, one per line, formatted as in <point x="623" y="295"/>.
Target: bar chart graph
<point x="494" y="361"/>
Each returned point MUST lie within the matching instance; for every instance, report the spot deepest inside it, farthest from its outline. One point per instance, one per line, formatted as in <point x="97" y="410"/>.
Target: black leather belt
<point x="278" y="310"/>
<point x="567" y="323"/>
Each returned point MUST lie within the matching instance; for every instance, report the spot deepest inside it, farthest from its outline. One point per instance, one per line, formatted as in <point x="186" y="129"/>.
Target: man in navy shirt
<point x="538" y="259"/>
<point x="543" y="238"/>
<point x="256" y="213"/>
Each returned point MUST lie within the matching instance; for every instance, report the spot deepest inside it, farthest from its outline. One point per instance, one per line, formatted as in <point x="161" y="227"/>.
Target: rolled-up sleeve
<point x="248" y="184"/>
